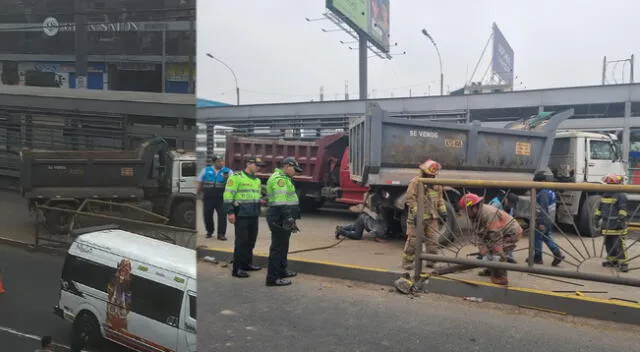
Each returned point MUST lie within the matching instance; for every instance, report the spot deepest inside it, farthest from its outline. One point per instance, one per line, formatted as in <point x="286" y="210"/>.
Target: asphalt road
<point x="317" y="314"/>
<point x="32" y="282"/>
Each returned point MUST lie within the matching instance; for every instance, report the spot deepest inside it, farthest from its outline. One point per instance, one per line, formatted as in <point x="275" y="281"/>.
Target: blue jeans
<point x="546" y="238"/>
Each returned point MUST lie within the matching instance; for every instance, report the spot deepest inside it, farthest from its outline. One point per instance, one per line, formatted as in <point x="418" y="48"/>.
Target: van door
<point x="155" y="309"/>
<point x="188" y="177"/>
<point x="187" y="341"/>
<point x="601" y="159"/>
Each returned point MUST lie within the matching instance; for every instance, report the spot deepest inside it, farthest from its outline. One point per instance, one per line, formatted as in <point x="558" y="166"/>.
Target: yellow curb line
<point x="479" y="283"/>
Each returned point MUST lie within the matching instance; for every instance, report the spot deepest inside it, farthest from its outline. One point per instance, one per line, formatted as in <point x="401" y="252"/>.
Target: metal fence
<point x="577" y="247"/>
<point x="57" y="226"/>
<point x="52" y="129"/>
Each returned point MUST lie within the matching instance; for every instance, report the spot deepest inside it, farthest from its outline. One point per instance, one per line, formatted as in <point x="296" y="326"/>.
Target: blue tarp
<point x="204" y="103"/>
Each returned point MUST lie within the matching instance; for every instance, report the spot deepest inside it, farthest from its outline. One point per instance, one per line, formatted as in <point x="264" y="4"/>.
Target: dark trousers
<point x="278" y="251"/>
<point x="353" y="231"/>
<point x="615" y="246"/>
<point x="245" y="240"/>
<point x="209" y="205"/>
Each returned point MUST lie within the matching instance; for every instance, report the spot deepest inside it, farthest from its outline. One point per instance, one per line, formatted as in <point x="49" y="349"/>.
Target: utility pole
<point x="82" y="56"/>
<point x="322" y="93"/>
<point x="632" y="63"/>
<point x="346" y="90"/>
<point x="363" y="61"/>
<point x="604" y="70"/>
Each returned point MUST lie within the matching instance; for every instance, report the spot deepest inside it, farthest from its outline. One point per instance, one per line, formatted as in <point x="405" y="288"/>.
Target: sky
<point x="278" y="56"/>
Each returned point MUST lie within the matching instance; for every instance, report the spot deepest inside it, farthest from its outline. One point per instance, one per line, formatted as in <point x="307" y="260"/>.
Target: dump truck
<point x="152" y="178"/>
<point x="381" y="154"/>
<point x="326" y="176"/>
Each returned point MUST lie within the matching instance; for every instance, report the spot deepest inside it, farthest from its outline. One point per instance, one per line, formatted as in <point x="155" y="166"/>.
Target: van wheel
<point x="57" y="222"/>
<point x="586" y="226"/>
<point x="86" y="329"/>
<point x="184" y="215"/>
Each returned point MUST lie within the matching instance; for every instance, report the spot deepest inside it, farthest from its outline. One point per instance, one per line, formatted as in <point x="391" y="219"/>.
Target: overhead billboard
<point x="368" y="17"/>
<point x="502" y="57"/>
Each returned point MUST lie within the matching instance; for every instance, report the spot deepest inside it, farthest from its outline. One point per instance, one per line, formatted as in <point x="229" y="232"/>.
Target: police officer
<point x="242" y="203"/>
<point x="211" y="183"/>
<point x="283" y="212"/>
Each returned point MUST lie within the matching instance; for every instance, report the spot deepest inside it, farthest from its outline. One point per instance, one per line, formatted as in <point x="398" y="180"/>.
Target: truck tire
<point x="57" y="222"/>
<point x="447" y="231"/>
<point x="184" y="214"/>
<point x="585" y="222"/>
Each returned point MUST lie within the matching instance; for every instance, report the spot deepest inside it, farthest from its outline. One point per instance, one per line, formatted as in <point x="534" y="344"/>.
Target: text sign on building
<point x="52" y="27"/>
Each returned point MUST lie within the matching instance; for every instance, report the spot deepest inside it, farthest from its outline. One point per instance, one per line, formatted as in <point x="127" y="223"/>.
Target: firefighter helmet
<point x="469" y="200"/>
<point x="613" y="179"/>
<point x="430" y="167"/>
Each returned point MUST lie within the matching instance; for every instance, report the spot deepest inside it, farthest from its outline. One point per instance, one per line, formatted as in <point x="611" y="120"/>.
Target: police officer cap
<point x="292" y="162"/>
<point x="257" y="161"/>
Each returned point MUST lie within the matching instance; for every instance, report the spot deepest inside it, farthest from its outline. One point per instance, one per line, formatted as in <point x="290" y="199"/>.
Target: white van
<point x="133" y="290"/>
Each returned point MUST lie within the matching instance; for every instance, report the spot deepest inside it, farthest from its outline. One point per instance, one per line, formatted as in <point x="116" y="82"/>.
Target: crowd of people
<point x="495" y="230"/>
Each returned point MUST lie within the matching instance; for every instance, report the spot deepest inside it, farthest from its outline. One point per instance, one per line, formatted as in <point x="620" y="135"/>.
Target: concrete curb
<point x="31" y="247"/>
<point x="545" y="301"/>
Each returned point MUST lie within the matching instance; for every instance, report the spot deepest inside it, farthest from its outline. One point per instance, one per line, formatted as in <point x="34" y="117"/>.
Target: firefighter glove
<point x="443" y="217"/>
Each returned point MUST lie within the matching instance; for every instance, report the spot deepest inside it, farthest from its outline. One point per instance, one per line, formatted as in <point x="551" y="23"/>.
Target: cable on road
<point x="317" y="248"/>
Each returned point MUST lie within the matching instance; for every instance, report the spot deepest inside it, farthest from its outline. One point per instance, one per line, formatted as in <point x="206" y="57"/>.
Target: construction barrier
<point x="577" y="248"/>
<point x="57" y="225"/>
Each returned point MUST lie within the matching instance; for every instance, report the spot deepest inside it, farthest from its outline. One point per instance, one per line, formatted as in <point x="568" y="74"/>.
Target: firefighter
<point x="284" y="210"/>
<point x="434" y="208"/>
<point x="497" y="232"/>
<point x="613" y="214"/>
<point x="211" y="183"/>
<point x="242" y="203"/>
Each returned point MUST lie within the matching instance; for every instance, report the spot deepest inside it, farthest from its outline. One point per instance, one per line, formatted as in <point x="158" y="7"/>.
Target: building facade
<point x="131" y="45"/>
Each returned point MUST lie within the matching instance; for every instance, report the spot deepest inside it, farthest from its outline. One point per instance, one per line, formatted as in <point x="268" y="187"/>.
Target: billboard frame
<point x="383" y="47"/>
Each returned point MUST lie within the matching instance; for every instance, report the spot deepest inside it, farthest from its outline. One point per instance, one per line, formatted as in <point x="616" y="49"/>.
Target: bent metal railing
<point x="577" y="249"/>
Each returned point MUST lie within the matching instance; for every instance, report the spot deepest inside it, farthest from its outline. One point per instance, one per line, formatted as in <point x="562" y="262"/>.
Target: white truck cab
<point x="133" y="290"/>
<point x="184" y="171"/>
<point x="583" y="157"/>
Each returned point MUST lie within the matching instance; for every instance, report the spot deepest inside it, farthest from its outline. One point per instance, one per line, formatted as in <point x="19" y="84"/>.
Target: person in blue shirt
<point x="211" y="184"/>
<point x="545" y="216"/>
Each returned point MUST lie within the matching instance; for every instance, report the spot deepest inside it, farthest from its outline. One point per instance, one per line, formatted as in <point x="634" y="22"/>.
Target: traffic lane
<point x="15" y="341"/>
<point x="32" y="284"/>
<point x="333" y="315"/>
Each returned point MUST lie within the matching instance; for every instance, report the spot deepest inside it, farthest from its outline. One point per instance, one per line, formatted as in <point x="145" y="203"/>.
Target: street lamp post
<point x="426" y="34"/>
<point x="234" y="76"/>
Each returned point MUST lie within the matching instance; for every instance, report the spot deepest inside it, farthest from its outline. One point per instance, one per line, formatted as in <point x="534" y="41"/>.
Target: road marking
<point x="29" y="336"/>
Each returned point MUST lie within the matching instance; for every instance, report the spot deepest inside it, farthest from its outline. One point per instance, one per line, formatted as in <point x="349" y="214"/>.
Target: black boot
<point x="558" y="257"/>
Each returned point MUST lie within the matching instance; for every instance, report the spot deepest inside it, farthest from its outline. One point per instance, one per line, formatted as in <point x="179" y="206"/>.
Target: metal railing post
<point x="532" y="227"/>
<point x="419" y="232"/>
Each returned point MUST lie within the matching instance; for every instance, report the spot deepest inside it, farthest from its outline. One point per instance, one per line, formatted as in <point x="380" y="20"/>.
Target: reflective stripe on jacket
<point x="242" y="195"/>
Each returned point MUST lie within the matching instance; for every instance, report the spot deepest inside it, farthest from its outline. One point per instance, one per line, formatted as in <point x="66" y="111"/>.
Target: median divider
<point x="532" y="299"/>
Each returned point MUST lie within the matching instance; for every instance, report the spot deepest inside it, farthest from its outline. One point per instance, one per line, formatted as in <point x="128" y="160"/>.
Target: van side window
<point x="87" y="272"/>
<point x="156" y="301"/>
<point x="192" y="306"/>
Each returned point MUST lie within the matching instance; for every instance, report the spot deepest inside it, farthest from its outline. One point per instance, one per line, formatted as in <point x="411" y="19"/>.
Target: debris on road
<point x="474" y="299"/>
<point x="210" y="259"/>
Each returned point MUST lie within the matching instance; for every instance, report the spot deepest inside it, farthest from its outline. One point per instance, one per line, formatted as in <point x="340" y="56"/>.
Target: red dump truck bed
<point x="316" y="157"/>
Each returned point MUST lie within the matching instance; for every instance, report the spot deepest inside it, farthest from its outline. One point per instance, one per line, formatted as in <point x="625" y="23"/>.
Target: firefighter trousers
<point x="430" y="239"/>
<point x="616" y="248"/>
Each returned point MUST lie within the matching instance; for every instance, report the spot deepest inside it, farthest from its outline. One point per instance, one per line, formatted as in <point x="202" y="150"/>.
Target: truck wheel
<point x="448" y="230"/>
<point x="86" y="329"/>
<point x="585" y="223"/>
<point x="57" y="222"/>
<point x="184" y="215"/>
